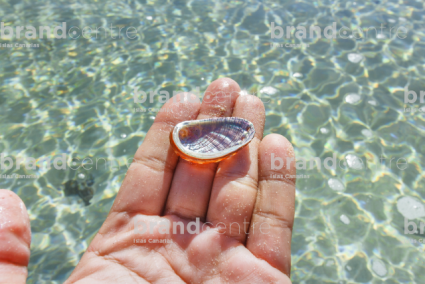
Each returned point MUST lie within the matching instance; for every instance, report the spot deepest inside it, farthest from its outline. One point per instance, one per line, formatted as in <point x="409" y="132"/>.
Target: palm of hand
<point x="207" y="257"/>
<point x="245" y="208"/>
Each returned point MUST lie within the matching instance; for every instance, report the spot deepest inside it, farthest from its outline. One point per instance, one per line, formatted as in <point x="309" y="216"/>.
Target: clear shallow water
<point x="340" y="96"/>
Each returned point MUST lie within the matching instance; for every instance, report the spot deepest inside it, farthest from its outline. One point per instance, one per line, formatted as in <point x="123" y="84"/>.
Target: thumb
<point x="15" y="238"/>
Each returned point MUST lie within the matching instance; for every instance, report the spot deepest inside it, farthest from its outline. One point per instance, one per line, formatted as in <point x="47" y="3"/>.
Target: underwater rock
<point x="80" y="188"/>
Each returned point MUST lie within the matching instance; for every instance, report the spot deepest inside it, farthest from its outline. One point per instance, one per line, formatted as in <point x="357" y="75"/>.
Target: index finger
<point x="145" y="187"/>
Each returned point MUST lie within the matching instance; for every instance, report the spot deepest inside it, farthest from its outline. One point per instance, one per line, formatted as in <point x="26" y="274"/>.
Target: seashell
<point x="211" y="140"/>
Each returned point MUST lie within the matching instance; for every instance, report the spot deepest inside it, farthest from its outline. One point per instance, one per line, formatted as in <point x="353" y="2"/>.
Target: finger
<point x="15" y="238"/>
<point x="191" y="186"/>
<point x="145" y="187"/>
<point x="235" y="185"/>
<point x="271" y="226"/>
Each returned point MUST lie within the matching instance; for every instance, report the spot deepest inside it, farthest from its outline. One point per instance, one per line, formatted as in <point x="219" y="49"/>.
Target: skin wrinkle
<point x="162" y="165"/>
<point x="235" y="176"/>
<point x="15" y="265"/>
<point x="253" y="181"/>
<point x="107" y="239"/>
<point x="18" y="234"/>
<point x="268" y="215"/>
<point x="232" y="252"/>
<point x="167" y="262"/>
<point x="171" y="266"/>
<point x="229" y="261"/>
<point x="288" y="181"/>
<point x="158" y="251"/>
<point x="109" y="257"/>
<point x="120" y="217"/>
<point x="171" y="212"/>
<point x="114" y="260"/>
<point x="6" y="259"/>
<point x="133" y="212"/>
<point x="246" y="181"/>
<point x="216" y="273"/>
<point x="201" y="269"/>
<point x="193" y="264"/>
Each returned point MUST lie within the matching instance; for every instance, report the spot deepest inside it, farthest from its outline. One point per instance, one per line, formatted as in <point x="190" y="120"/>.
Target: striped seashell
<point x="211" y="140"/>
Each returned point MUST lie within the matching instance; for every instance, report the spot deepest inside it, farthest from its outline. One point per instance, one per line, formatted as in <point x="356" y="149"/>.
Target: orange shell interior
<point x="196" y="160"/>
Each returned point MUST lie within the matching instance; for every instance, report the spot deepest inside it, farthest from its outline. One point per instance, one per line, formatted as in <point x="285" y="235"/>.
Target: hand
<point x="246" y="216"/>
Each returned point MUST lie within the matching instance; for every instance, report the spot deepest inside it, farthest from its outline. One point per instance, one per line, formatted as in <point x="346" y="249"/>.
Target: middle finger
<point x="191" y="185"/>
<point x="235" y="184"/>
